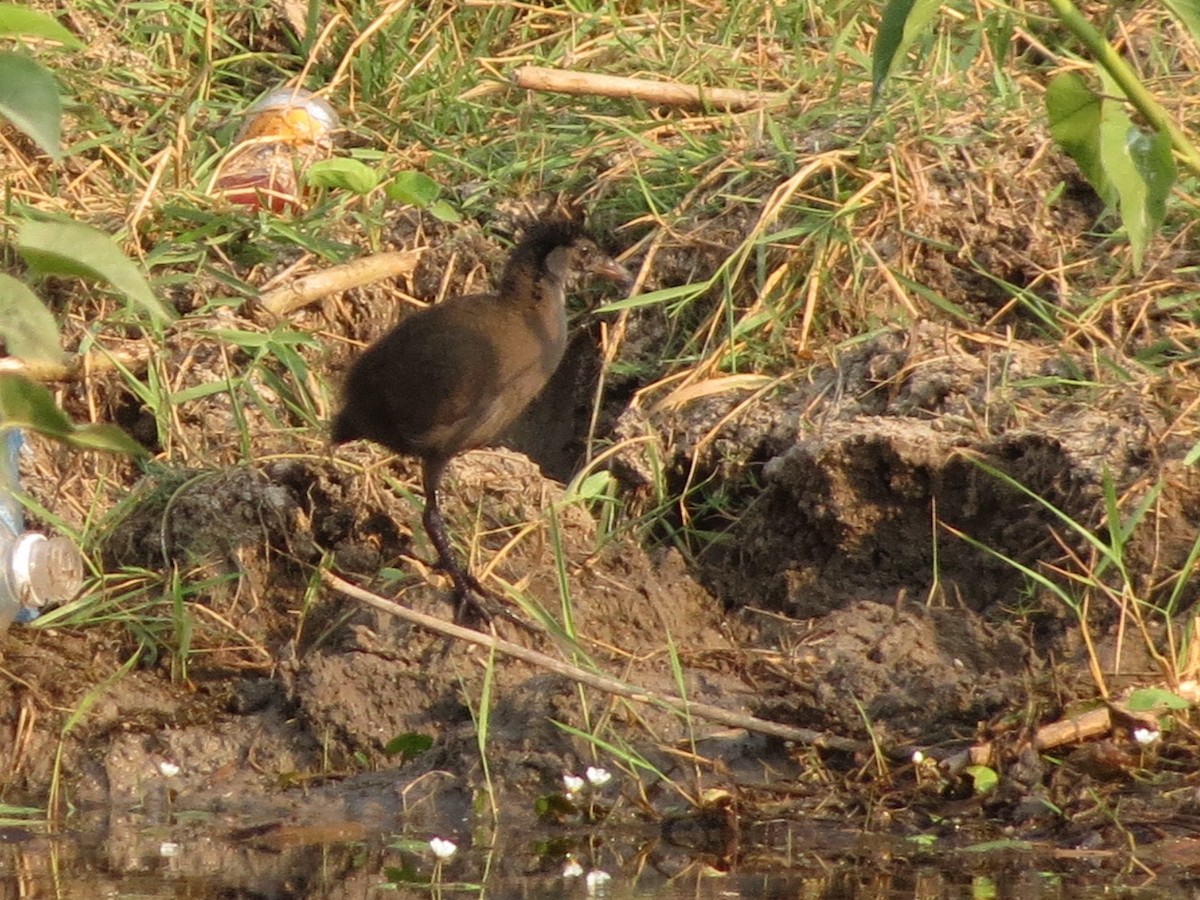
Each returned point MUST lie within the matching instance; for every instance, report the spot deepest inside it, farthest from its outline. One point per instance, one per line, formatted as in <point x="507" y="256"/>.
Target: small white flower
<point x="1146" y="736"/>
<point x="572" y="868"/>
<point x="918" y="757"/>
<point x="168" y="849"/>
<point x="597" y="883"/>
<point x="598" y="777"/>
<point x="442" y="848"/>
<point x="168" y="768"/>
<point x="573" y="784"/>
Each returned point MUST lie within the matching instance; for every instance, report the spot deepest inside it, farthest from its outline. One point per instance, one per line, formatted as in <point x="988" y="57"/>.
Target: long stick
<point x="670" y="93"/>
<point x="600" y="682"/>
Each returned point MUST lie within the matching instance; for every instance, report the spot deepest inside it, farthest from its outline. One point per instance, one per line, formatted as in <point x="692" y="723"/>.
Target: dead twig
<point x="75" y="366"/>
<point x="600" y="682"/>
<point x="310" y="288"/>
<point x="667" y="93"/>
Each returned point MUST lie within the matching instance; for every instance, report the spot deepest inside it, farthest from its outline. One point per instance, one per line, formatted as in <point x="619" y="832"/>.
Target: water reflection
<point x="204" y="859"/>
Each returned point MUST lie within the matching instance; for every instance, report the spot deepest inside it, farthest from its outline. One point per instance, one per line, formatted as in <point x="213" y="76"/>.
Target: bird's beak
<point x="614" y="271"/>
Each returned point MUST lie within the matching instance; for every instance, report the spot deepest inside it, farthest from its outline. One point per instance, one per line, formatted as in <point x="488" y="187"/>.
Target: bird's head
<point x="559" y="249"/>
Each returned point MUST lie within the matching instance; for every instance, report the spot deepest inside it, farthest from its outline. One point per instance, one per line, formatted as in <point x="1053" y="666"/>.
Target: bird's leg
<point x="466" y="586"/>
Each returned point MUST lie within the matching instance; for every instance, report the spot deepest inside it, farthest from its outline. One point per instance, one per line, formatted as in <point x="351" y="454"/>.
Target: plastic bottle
<point x="283" y="133"/>
<point x="34" y="570"/>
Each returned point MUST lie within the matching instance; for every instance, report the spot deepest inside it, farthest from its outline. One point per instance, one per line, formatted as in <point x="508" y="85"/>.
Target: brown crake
<point x="453" y="376"/>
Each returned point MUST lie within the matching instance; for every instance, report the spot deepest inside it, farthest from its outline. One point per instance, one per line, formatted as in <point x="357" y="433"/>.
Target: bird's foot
<point x="470" y="609"/>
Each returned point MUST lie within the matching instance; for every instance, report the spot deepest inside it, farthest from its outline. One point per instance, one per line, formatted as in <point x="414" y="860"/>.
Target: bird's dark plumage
<point x="452" y="377"/>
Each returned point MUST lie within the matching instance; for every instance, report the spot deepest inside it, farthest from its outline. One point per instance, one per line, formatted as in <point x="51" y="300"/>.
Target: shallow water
<point x="203" y="859"/>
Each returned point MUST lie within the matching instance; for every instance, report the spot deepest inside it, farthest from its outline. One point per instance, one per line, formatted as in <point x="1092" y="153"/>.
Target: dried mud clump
<point x="876" y="495"/>
<point x="901" y="661"/>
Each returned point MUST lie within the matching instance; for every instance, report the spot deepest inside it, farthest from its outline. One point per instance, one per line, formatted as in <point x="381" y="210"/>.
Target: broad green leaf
<point x="1146" y="699"/>
<point x="72" y="248"/>
<point x="444" y="212"/>
<point x="347" y="174"/>
<point x="902" y="21"/>
<point x="1074" y="110"/>
<point x="29" y="99"/>
<point x="983" y="778"/>
<point x="594" y="486"/>
<point x="30" y="405"/>
<point x="27" y="404"/>
<point x="18" y="21"/>
<point x="1155" y="165"/>
<point x="1187" y="12"/>
<point x="414" y="188"/>
<point x="26" y="326"/>
<point x="1140" y="168"/>
<point x="408" y="745"/>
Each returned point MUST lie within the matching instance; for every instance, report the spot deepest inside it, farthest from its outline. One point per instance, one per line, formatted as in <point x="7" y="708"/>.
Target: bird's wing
<point x="427" y="383"/>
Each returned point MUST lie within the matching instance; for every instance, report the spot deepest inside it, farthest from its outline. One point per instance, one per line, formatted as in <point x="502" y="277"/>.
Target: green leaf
<point x="109" y="438"/>
<point x="30" y="405"/>
<point x="444" y="212"/>
<point x="29" y="99"/>
<point x="1001" y="845"/>
<point x="594" y="486"/>
<point x="414" y="188"/>
<point x="1187" y="12"/>
<point x="661" y="296"/>
<point x="983" y="778"/>
<point x="1154" y="160"/>
<point x="405" y="874"/>
<point x="1129" y="169"/>
<point x="902" y="21"/>
<point x="408" y="745"/>
<point x="27" y="327"/>
<point x="1140" y="168"/>
<point x="555" y="807"/>
<point x="346" y="174"/>
<point x="27" y="404"/>
<point x="18" y="21"/>
<point x="1143" y="185"/>
<point x="72" y="248"/>
<point x="1074" y="110"/>
<point x="983" y="888"/>
<point x="1147" y="699"/>
<point x="257" y="340"/>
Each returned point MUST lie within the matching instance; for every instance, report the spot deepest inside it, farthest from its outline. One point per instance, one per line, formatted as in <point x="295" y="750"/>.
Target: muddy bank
<point x="841" y="597"/>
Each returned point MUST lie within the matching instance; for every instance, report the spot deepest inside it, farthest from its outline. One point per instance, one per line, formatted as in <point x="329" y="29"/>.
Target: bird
<point x="452" y="376"/>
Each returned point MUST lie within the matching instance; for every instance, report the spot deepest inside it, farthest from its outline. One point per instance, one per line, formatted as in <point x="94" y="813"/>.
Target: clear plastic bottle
<point x="34" y="569"/>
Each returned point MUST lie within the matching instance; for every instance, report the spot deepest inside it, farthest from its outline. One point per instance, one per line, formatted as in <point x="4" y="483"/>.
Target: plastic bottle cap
<point x="45" y="570"/>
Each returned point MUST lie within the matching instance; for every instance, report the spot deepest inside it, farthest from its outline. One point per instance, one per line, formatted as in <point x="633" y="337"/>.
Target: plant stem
<point x="1107" y="56"/>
